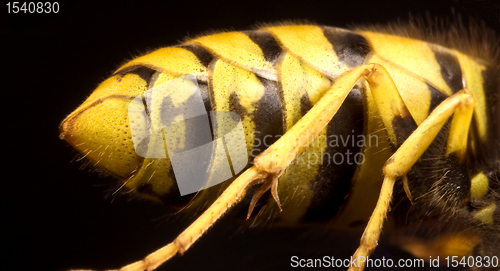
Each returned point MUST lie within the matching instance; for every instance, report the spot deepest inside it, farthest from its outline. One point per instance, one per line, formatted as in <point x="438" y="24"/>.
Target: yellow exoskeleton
<point x="313" y="114"/>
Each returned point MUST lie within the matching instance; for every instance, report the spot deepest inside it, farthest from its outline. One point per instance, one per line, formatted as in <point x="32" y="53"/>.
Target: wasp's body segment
<point x="273" y="76"/>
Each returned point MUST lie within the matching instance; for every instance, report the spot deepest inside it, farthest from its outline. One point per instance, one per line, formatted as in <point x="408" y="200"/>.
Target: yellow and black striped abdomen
<point x="271" y="77"/>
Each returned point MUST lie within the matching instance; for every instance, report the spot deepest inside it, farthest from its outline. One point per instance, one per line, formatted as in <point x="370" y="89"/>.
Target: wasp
<point x="300" y="122"/>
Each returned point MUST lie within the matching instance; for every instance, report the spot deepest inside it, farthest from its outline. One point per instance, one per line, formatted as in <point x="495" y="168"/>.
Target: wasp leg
<point x="461" y="104"/>
<point x="275" y="159"/>
<point x="278" y="156"/>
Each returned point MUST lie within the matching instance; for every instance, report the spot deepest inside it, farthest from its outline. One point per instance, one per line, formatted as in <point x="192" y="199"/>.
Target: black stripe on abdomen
<point x="201" y="53"/>
<point x="338" y="164"/>
<point x="267" y="43"/>
<point x="268" y="116"/>
<point x="351" y="48"/>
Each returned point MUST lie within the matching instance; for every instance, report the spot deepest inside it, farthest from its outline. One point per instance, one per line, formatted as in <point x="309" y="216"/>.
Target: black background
<point x="56" y="216"/>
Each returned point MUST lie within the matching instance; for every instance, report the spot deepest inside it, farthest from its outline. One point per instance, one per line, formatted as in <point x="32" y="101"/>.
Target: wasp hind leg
<point x="275" y="159"/>
<point x="232" y="195"/>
